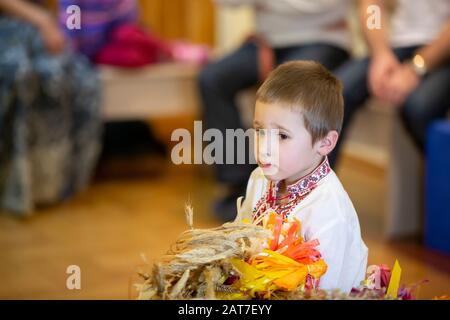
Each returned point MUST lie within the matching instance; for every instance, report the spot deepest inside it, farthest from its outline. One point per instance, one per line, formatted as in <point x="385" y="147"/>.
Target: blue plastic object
<point x="437" y="187"/>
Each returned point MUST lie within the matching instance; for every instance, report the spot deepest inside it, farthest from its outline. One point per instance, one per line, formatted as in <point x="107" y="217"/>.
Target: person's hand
<point x="381" y="68"/>
<point x="401" y="83"/>
<point x="52" y="36"/>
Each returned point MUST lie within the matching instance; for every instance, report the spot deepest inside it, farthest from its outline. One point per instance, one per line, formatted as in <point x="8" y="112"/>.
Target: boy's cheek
<point x="291" y="162"/>
<point x="288" y="155"/>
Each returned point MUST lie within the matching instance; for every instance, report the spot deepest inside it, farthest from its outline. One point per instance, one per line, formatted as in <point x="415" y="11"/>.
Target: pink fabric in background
<point x="131" y="46"/>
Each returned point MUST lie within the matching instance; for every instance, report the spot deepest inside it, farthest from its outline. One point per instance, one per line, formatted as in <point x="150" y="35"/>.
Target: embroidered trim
<point x="296" y="192"/>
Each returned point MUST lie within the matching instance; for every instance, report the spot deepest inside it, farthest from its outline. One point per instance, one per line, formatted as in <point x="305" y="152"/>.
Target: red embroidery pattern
<point x="296" y="192"/>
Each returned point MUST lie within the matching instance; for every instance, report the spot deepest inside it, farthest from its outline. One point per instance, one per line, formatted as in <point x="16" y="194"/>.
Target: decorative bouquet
<point x="265" y="259"/>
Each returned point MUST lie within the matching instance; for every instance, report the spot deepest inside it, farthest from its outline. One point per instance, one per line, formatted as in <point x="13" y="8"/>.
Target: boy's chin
<point x="272" y="174"/>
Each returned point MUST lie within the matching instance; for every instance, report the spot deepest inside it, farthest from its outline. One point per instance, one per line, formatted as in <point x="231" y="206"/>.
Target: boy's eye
<point x="283" y="136"/>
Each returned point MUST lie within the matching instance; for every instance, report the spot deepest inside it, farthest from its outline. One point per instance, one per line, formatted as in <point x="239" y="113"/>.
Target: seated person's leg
<point x="219" y="83"/>
<point x="428" y="102"/>
<point x="353" y="75"/>
<point x="18" y="88"/>
<point x="328" y="55"/>
<point x="85" y="93"/>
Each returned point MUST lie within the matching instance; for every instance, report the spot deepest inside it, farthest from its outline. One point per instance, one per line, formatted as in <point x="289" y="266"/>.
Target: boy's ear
<point x="327" y="144"/>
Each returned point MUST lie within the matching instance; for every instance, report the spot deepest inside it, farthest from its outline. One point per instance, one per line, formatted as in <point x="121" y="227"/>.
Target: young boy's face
<point x="297" y="156"/>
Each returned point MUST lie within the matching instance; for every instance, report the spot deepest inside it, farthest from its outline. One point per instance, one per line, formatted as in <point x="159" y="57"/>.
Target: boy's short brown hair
<point x="309" y="87"/>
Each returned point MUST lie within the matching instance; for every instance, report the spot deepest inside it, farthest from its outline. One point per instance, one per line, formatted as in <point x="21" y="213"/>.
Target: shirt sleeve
<point x="333" y="238"/>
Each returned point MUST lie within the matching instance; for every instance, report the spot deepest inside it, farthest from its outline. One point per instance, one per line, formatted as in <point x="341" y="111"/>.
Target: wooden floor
<point x="136" y="206"/>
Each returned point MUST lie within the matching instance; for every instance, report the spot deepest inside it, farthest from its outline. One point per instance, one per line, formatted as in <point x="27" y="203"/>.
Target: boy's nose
<point x="263" y="144"/>
<point x="264" y="148"/>
<point x="267" y="146"/>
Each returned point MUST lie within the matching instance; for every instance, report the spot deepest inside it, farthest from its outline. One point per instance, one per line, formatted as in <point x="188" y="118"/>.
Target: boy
<point x="285" y="30"/>
<point x="303" y="102"/>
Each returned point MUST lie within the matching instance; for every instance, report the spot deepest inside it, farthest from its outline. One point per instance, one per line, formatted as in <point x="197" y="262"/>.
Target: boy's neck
<point x="304" y="173"/>
<point x="282" y="190"/>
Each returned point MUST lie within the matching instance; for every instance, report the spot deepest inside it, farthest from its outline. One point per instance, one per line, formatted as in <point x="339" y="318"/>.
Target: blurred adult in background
<point x="50" y="124"/>
<point x="408" y="64"/>
<point x="111" y="35"/>
<point x="285" y="30"/>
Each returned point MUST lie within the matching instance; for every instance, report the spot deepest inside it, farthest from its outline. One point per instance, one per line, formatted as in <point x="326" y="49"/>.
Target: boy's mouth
<point x="265" y="165"/>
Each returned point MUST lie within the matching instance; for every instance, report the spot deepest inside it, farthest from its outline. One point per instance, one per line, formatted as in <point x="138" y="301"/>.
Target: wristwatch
<point x="418" y="65"/>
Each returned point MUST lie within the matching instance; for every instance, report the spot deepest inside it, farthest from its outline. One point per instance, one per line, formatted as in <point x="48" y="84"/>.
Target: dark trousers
<point x="220" y="81"/>
<point x="429" y="101"/>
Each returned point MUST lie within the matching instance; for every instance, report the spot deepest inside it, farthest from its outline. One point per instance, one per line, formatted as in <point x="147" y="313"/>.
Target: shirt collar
<point x="309" y="182"/>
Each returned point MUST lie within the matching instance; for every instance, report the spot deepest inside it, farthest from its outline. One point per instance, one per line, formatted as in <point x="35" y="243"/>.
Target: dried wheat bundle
<point x="196" y="263"/>
<point x="205" y="263"/>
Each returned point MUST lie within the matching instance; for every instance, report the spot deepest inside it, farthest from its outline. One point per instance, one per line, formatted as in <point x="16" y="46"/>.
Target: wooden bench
<point x="160" y="90"/>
